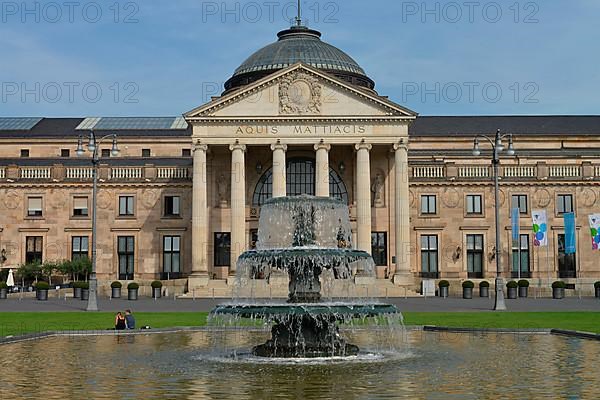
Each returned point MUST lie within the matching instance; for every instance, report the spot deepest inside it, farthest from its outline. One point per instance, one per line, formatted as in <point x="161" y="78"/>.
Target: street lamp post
<point x="94" y="148"/>
<point x="497" y="148"/>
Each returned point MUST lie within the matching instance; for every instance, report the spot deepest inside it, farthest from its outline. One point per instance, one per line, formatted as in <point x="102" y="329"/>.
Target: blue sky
<point x="164" y="58"/>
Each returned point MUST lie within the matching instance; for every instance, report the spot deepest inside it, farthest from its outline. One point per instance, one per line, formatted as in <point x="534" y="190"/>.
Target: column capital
<point x="363" y="146"/>
<point x="401" y="145"/>
<point x="322" y="146"/>
<point x="237" y="146"/>
<point x="199" y="146"/>
<point x="279" y="146"/>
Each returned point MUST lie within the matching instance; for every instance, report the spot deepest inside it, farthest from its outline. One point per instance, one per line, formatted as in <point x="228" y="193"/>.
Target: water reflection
<point x="176" y="366"/>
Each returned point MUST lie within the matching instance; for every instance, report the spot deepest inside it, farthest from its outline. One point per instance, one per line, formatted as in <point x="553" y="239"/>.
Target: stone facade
<point x="215" y="167"/>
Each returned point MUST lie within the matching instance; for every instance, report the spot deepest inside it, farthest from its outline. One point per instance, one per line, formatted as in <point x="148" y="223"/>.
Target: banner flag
<point x="570" y="229"/>
<point x="595" y="230"/>
<point x="540" y="228"/>
<point x="514" y="218"/>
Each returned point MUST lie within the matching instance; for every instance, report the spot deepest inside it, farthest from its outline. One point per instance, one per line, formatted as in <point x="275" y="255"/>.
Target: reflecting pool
<point x="190" y="365"/>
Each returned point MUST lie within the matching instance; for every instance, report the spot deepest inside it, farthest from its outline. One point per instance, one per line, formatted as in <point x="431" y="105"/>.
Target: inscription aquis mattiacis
<point x="302" y="130"/>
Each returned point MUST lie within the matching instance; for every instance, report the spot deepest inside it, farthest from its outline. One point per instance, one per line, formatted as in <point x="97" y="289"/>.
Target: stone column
<point x="363" y="196"/>
<point x="322" y="169"/>
<point x="403" y="274"/>
<point x="200" y="212"/>
<point x="279" y="169"/>
<point x="238" y="203"/>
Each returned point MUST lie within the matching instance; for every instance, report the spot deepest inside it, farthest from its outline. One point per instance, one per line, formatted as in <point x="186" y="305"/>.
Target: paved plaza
<point x="203" y="305"/>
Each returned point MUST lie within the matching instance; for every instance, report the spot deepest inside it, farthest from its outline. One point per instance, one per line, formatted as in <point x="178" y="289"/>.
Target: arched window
<point x="300" y="179"/>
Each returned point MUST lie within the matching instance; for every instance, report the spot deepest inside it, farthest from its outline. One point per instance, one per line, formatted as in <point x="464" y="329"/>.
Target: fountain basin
<point x="340" y="311"/>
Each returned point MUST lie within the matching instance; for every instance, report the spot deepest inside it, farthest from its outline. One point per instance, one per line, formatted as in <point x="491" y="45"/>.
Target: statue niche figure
<point x="222" y="191"/>
<point x="377" y="189"/>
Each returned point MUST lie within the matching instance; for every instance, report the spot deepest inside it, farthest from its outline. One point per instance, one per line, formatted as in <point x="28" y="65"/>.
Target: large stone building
<point x="182" y="199"/>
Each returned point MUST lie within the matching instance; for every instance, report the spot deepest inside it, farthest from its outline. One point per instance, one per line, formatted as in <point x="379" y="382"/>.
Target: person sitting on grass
<point x="129" y="319"/>
<point x="120" y="323"/>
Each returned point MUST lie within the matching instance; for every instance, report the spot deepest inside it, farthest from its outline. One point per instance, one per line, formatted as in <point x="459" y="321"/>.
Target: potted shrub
<point x="468" y="289"/>
<point x="77" y="289"/>
<point x="116" y="290"/>
<point x="513" y="288"/>
<point x="3" y="291"/>
<point x="523" y="287"/>
<point x="132" y="291"/>
<point x="484" y="289"/>
<point x="443" y="286"/>
<point x="597" y="289"/>
<point x="85" y="290"/>
<point x="41" y="291"/>
<point x="558" y="290"/>
<point x="156" y="289"/>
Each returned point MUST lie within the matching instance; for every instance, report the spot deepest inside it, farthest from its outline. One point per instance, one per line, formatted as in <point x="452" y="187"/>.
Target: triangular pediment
<point x="300" y="91"/>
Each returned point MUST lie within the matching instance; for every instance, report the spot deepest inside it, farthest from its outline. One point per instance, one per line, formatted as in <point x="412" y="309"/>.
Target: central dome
<point x="299" y="44"/>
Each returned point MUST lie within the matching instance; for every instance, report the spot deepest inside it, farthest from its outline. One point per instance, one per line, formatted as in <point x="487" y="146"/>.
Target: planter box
<point x="41" y="295"/>
<point x="467" y="293"/>
<point x="512" y="293"/>
<point x="132" y="294"/>
<point x="76" y="293"/>
<point x="523" y="291"/>
<point x="3" y="294"/>
<point x="558" y="293"/>
<point x="484" y="292"/>
<point x="85" y="294"/>
<point x="115" y="293"/>
<point x="443" y="292"/>
<point x="156" y="293"/>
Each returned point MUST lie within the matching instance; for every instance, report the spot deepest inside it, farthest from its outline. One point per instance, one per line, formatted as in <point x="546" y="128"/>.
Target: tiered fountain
<point x="304" y="236"/>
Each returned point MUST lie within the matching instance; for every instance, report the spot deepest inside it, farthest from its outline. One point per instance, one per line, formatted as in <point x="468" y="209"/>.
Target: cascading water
<point x="303" y="237"/>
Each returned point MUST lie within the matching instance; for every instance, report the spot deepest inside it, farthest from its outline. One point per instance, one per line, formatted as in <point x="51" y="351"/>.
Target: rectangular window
<point x="65" y="153"/>
<point x="24" y="153"/>
<point x="126" y="206"/>
<point x="146" y="153"/>
<point x="567" y="263"/>
<point x="79" y="247"/>
<point x="172" y="206"/>
<point x="475" y="256"/>
<point x="33" y="249"/>
<point x="171" y="257"/>
<point x="126" y="255"/>
<point x="429" y="256"/>
<point x="80" y="206"/>
<point x="520" y="201"/>
<point x="222" y="248"/>
<point x="186" y="153"/>
<point x="428" y="204"/>
<point x="253" y="238"/>
<point x="564" y="203"/>
<point x="34" y="207"/>
<point x="379" y="248"/>
<point x="521" y="263"/>
<point x="105" y="153"/>
<point x="474" y="204"/>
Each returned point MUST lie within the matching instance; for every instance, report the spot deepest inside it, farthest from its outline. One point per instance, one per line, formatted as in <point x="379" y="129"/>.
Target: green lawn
<point x="21" y="323"/>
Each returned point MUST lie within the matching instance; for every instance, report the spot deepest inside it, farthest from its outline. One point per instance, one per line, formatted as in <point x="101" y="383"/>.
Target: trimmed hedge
<point x="133" y="286"/>
<point x="597" y="285"/>
<point x="523" y="283"/>
<point x="468" y="285"/>
<point x="156" y="284"/>
<point x="41" y="285"/>
<point x="484" y="284"/>
<point x="559" y="285"/>
<point x="444" y="284"/>
<point x="116" y="285"/>
<point x="512" y="285"/>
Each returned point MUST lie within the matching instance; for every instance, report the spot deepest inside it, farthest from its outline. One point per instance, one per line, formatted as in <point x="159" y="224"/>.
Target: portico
<point x="299" y="131"/>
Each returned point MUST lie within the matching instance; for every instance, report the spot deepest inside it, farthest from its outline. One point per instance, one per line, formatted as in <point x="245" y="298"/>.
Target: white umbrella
<point x="10" y="281"/>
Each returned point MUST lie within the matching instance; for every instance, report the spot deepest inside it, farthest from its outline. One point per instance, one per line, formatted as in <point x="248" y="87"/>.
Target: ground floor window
<point x="33" y="249"/>
<point x="79" y="247"/>
<point x="222" y="249"/>
<point x="521" y="263"/>
<point x="567" y="263"/>
<point x="126" y="255"/>
<point x="379" y="248"/>
<point x="429" y="256"/>
<point x="475" y="256"/>
<point x="171" y="257"/>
